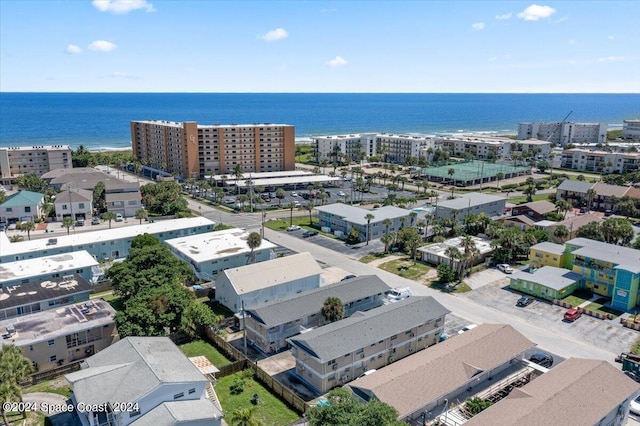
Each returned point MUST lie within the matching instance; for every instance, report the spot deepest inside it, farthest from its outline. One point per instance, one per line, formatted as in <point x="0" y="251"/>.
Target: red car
<point x="572" y="314"/>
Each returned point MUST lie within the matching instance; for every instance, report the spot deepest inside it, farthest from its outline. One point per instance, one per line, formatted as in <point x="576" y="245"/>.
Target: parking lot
<point x="605" y="334"/>
<point x="356" y="251"/>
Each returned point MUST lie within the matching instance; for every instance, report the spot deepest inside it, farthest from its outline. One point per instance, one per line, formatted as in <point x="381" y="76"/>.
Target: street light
<point x="264" y="215"/>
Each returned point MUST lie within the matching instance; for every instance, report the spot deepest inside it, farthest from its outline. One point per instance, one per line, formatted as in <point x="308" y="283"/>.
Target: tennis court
<point x="472" y="172"/>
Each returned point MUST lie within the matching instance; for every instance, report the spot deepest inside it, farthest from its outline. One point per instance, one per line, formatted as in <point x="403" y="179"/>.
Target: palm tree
<point x="309" y="207"/>
<point x="14" y="370"/>
<point x="403" y="221"/>
<point x="529" y="191"/>
<point x="280" y="194"/>
<point x="412" y="245"/>
<point x="291" y="207"/>
<point x="109" y="216"/>
<point x="563" y="207"/>
<point x="9" y="392"/>
<point x="368" y="218"/>
<point x="68" y="222"/>
<point x="425" y="185"/>
<point x="412" y="217"/>
<point x="561" y="232"/>
<point x="141" y="214"/>
<point x="333" y="309"/>
<point x="239" y="174"/>
<point x="469" y="252"/>
<point x="253" y="242"/>
<point x="387" y="223"/>
<point x="451" y="172"/>
<point x="244" y="417"/>
<point x="387" y="239"/>
<point x="28" y="226"/>
<point x="590" y="194"/>
<point x="453" y="254"/>
<point x="499" y="177"/>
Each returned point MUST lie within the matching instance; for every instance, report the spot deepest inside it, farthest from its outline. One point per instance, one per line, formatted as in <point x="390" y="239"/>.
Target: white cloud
<point x="611" y="37"/>
<point x="122" y="6"/>
<point x="73" y="49"/>
<point x="478" y="26"/>
<point x="338" y="61"/>
<point x="611" y="59"/>
<point x="536" y="12"/>
<point x="118" y="74"/>
<point x="274" y="35"/>
<point x="504" y="16"/>
<point x="102" y="46"/>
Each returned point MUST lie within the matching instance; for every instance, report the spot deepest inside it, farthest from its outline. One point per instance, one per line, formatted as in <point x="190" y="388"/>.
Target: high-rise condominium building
<point x="22" y="160"/>
<point x="564" y="133"/>
<point x="189" y="149"/>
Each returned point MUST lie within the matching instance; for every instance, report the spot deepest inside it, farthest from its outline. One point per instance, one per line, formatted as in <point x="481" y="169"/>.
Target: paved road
<point x="551" y="340"/>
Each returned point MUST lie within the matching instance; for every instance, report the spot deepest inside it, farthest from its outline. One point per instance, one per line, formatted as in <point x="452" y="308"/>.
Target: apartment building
<point x="340" y="352"/>
<point x="631" y="130"/>
<point x="22" y="160"/>
<point x="471" y="203"/>
<point x="269" y="325"/>
<point x="337" y="148"/>
<point x="564" y="133"/>
<point x="155" y="381"/>
<point x="104" y="244"/>
<point x="341" y="218"/>
<point x="75" y="203"/>
<point x="189" y="149"/>
<point x="491" y="148"/>
<point x="600" y="161"/>
<point x="58" y="336"/>
<point x="398" y="148"/>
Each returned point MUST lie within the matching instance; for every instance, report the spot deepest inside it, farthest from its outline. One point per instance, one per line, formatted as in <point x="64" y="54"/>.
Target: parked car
<point x="95" y="221"/>
<point x="12" y="226"/>
<point x="524" y="301"/>
<point x="293" y="228"/>
<point x="119" y="217"/>
<point x="544" y="360"/>
<point x="228" y="201"/>
<point x="294" y="194"/>
<point x="467" y="328"/>
<point x="347" y="277"/>
<point x="307" y="234"/>
<point x="572" y="314"/>
<point x="80" y="222"/>
<point x="341" y="194"/>
<point x="608" y="212"/>
<point x="584" y="210"/>
<point x="504" y="267"/>
<point x="272" y="195"/>
<point x="397" y="294"/>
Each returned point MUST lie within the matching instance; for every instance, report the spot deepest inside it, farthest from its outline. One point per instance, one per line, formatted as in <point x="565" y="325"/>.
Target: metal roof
<point x="624" y="257"/>
<point x="310" y="302"/>
<point x="549" y="247"/>
<point x="356" y="214"/>
<point x="364" y="328"/>
<point x="575" y="186"/>
<point x="548" y="276"/>
<point x="23" y="198"/>
<point x="471" y="199"/>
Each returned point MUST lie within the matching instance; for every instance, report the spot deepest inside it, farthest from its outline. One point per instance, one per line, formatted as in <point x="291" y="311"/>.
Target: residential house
<point x="48" y="268"/>
<point x="56" y="337"/>
<point x="521" y="222"/>
<point x="150" y="374"/>
<point x="269" y="325"/>
<point x="437" y="253"/>
<point x="337" y="353"/>
<point x="39" y="296"/>
<point x="552" y="398"/>
<point x="105" y="243"/>
<point x="24" y="206"/>
<point x="429" y="381"/>
<point x="606" y="196"/>
<point x="341" y="218"/>
<point x="574" y="191"/>
<point x="548" y="282"/>
<point x="534" y="210"/>
<point x="573" y="225"/>
<point x="74" y="203"/>
<point x="471" y="203"/>
<point x="212" y="252"/>
<point x="267" y="281"/>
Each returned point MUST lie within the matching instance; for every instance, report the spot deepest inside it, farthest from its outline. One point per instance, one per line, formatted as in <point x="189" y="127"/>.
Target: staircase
<point x="212" y="396"/>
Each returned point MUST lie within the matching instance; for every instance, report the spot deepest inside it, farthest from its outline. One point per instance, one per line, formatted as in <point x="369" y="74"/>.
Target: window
<point x="64" y="207"/>
<point x="53" y="358"/>
<point x="51" y="342"/>
<point x="27" y="209"/>
<point x="178" y="395"/>
<point x="9" y="209"/>
<point x="192" y="390"/>
<point x="81" y="205"/>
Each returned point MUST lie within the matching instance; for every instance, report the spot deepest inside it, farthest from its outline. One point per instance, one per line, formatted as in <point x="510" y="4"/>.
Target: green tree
<point x="332" y="309"/>
<point x="529" y="191"/>
<point x="28" y="226"/>
<point x="543" y="166"/>
<point x="244" y="417"/>
<point x="591" y="231"/>
<point x="291" y="206"/>
<point x="627" y="207"/>
<point x="412" y="246"/>
<point x="238" y="173"/>
<point x="387" y="239"/>
<point x="109" y="216"/>
<point x="341" y="409"/>
<point x="561" y="233"/>
<point x="353" y="237"/>
<point x="563" y="207"/>
<point x="14" y="370"/>
<point x="376" y="413"/>
<point x="164" y="198"/>
<point x="81" y="157"/>
<point x="476" y="405"/>
<point x="280" y="194"/>
<point x="499" y="177"/>
<point x="99" y="198"/>
<point x="196" y="317"/>
<point x="144" y="240"/>
<point x="9" y="392"/>
<point x="67" y="222"/>
<point x="31" y="182"/>
<point x="451" y="172"/>
<point x="141" y="214"/>
<point x="445" y="273"/>
<point x="368" y="217"/>
<point x="469" y="253"/>
<point x="253" y="242"/>
<point x="309" y="207"/>
<point x="617" y="231"/>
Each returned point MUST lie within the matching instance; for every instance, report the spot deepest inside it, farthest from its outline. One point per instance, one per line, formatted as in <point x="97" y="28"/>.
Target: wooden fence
<point x="293" y="400"/>
<point x="53" y="373"/>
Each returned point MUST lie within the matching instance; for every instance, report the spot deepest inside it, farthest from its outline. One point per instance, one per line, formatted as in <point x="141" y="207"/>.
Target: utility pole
<point x="244" y="328"/>
<point x="71" y="208"/>
<point x="264" y="215"/>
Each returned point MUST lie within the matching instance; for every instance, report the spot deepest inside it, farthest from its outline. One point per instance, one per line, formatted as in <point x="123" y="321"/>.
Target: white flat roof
<point x="215" y="245"/>
<point x="439" y="249"/>
<point x="83" y="238"/>
<point x="32" y="147"/>
<point x="260" y="175"/>
<point x="267" y="274"/>
<point x="44" y="265"/>
<point x="357" y="215"/>
<point x="289" y="180"/>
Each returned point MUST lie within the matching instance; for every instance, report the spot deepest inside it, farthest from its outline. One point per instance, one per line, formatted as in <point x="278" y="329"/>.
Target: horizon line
<point x="330" y="93"/>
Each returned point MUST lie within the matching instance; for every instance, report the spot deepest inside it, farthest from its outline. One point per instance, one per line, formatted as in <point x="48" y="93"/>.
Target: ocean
<point x="100" y="121"/>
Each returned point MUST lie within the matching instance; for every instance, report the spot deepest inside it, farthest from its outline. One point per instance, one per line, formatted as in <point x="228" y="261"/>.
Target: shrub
<point x="237" y="386"/>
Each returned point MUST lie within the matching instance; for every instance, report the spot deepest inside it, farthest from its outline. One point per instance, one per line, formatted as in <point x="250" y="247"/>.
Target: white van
<point x="397" y="294"/>
<point x="119" y="217"/>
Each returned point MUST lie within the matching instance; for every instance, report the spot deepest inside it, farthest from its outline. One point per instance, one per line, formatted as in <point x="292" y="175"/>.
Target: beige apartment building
<point x="189" y="149"/>
<point x="39" y="159"/>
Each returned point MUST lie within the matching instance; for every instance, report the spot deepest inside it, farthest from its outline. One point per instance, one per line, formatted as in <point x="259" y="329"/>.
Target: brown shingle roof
<point x="576" y="392"/>
<point x="606" y="190"/>
<point x="577" y="222"/>
<point x="633" y="193"/>
<point x="425" y="376"/>
<point x="540" y="207"/>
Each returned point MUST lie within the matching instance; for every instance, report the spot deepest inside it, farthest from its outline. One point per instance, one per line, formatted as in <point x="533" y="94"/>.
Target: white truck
<point x="397" y="294"/>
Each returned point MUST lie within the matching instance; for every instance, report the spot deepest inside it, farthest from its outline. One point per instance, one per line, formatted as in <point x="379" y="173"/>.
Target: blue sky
<point x="315" y="46"/>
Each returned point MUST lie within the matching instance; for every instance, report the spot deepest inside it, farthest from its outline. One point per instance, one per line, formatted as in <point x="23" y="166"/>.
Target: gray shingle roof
<point x="575" y="186"/>
<point x="363" y="328"/>
<point x="549" y="276"/>
<point x="310" y="302"/>
<point x="177" y="412"/>
<point x="131" y="368"/>
<point x="576" y="392"/>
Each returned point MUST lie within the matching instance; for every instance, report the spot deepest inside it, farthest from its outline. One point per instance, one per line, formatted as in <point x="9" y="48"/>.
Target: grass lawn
<point x="371" y="257"/>
<point x="283" y="223"/>
<point x="523" y="199"/>
<point x="459" y="288"/>
<point x="111" y="298"/>
<point x="219" y="309"/>
<point x="597" y="307"/>
<point x="270" y="411"/>
<point x="59" y="386"/>
<point x="575" y="300"/>
<point x="200" y="347"/>
<point x="33" y="418"/>
<point x="405" y="268"/>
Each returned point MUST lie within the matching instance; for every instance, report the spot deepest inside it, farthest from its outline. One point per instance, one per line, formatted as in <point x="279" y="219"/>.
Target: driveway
<point x="51" y="405"/>
<point x="354" y="251"/>
<point x="488" y="276"/>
